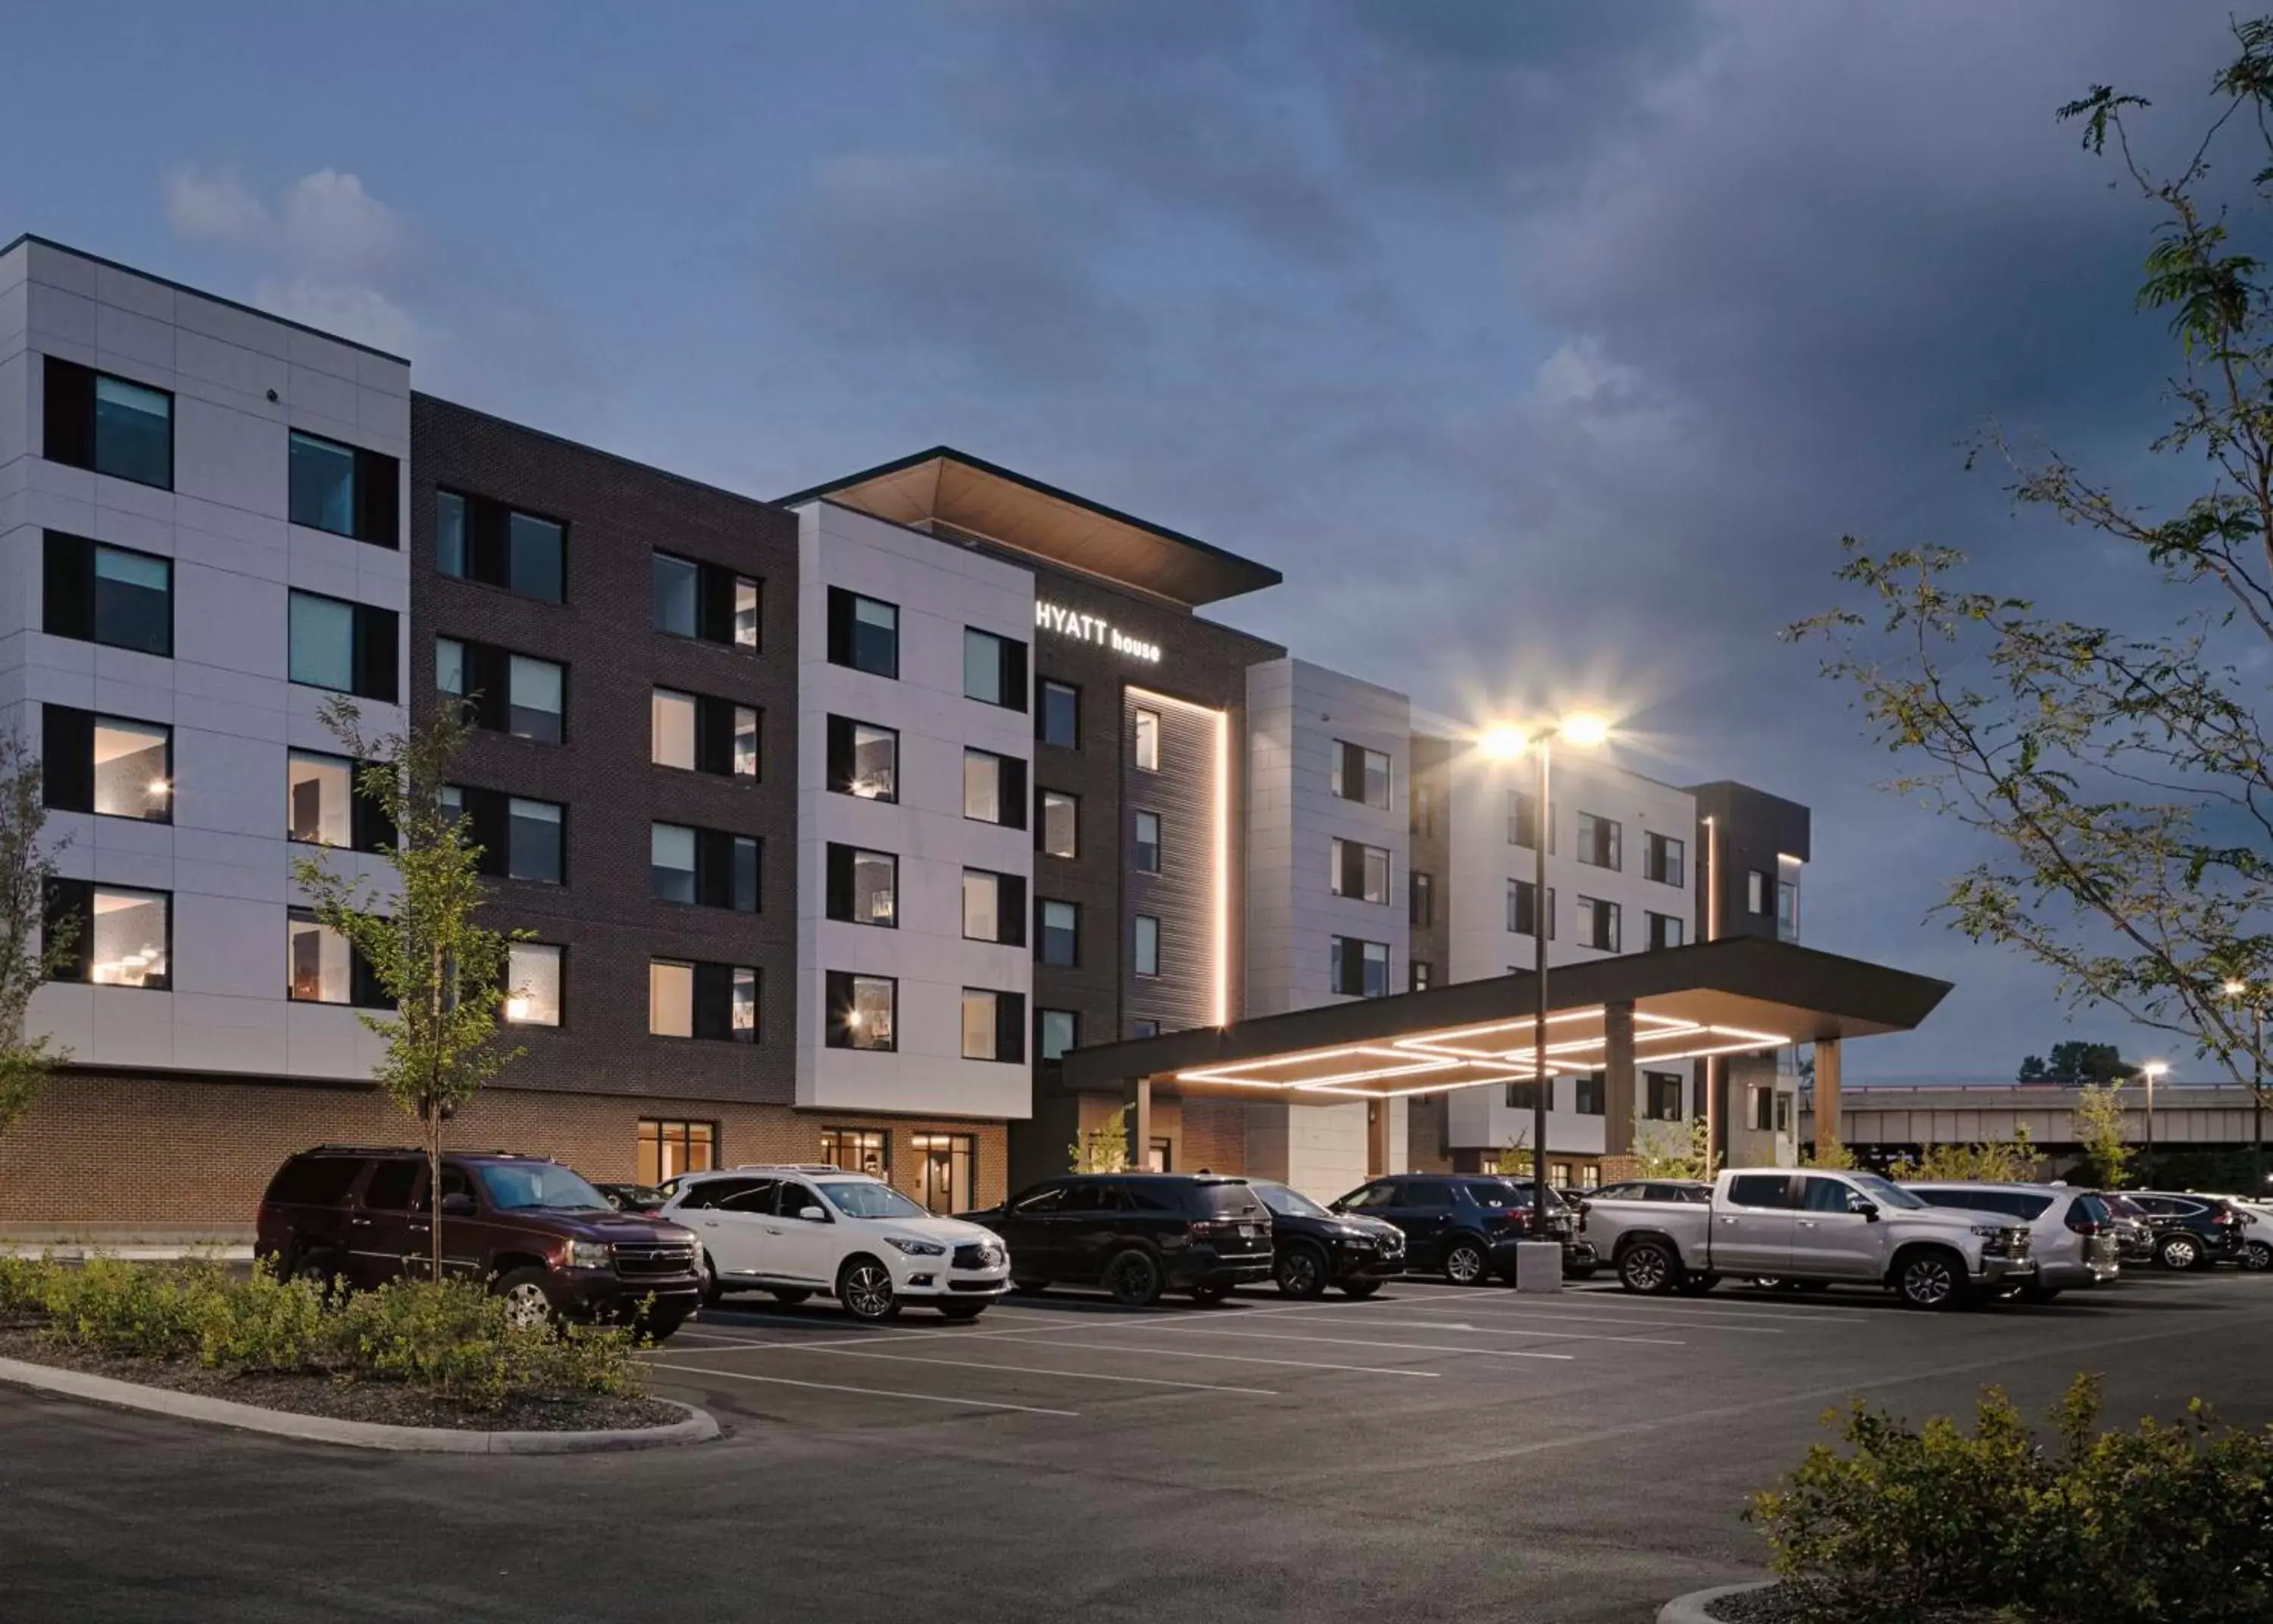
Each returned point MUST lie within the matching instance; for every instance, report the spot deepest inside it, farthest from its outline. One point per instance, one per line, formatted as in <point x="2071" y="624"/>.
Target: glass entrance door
<point x="947" y="1159"/>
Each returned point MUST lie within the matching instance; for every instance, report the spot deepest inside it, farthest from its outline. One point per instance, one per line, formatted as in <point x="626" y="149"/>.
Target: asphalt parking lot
<point x="1432" y="1453"/>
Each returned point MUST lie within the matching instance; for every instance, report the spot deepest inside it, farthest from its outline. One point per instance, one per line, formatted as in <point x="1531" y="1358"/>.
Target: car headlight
<point x="590" y="1254"/>
<point x="915" y="1248"/>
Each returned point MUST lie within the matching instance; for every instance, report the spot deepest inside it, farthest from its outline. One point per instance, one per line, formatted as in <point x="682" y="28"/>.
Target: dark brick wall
<point x="617" y="513"/>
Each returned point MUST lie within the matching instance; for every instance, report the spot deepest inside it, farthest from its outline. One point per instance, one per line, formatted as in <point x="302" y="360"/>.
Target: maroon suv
<point x="541" y="1236"/>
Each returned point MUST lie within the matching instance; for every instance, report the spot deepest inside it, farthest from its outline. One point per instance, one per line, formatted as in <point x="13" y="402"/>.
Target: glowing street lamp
<point x="2151" y="1070"/>
<point x="2241" y="991"/>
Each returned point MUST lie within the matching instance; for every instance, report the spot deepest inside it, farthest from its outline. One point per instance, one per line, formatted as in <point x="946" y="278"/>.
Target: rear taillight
<point x="2082" y="1223"/>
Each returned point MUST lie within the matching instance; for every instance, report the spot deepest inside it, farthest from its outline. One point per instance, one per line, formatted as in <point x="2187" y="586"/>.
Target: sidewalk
<point x="78" y="1251"/>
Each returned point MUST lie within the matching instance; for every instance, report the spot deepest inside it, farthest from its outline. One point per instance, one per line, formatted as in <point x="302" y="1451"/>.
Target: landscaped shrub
<point x="453" y="1338"/>
<point x="2164" y="1524"/>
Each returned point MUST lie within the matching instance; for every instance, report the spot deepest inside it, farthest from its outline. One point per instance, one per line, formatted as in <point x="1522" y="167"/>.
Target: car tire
<point x="1134" y="1278"/>
<point x="864" y="1288"/>
<point x="1696" y="1285"/>
<point x="1359" y="1288"/>
<point x="2181" y="1252"/>
<point x="1931" y="1279"/>
<point x="1301" y="1271"/>
<point x="1648" y="1268"/>
<point x="963" y="1310"/>
<point x="2257" y="1257"/>
<point x="528" y="1294"/>
<point x="1465" y="1263"/>
<point x="789" y="1296"/>
<point x="706" y="1272"/>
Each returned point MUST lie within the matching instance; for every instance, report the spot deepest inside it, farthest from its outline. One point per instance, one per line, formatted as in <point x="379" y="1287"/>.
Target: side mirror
<point x="458" y="1204"/>
<point x="1337" y="1206"/>
<point x="1869" y="1209"/>
<point x="812" y="1214"/>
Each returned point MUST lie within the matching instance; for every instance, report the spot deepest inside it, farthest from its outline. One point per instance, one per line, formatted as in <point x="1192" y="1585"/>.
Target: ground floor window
<point x="1589" y="1176"/>
<point x="948" y="1160"/>
<point x="858" y="1150"/>
<point x="1558" y="1174"/>
<point x="1157" y="1156"/>
<point x="668" y="1148"/>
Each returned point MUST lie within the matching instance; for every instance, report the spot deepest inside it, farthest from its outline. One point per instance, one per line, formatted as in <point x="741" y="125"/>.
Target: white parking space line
<point x="1032" y="1337"/>
<point x="1354" y="1342"/>
<point x="1498" y="1330"/>
<point x="1029" y="1341"/>
<point x="832" y="1387"/>
<point x="1727" y="1309"/>
<point x="1070" y="1376"/>
<point x="1577" y="1319"/>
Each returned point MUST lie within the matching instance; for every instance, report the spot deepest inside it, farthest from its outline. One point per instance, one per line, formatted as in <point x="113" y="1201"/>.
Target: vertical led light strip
<point x="1222" y="931"/>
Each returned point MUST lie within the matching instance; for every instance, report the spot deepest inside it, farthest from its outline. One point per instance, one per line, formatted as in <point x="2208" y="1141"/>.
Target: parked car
<point x="1312" y="1248"/>
<point x="2192" y="1232"/>
<point x="1136" y="1234"/>
<point x="2257" y="1239"/>
<point x="2134" y="1237"/>
<point x="631" y="1197"/>
<point x="1566" y="1222"/>
<point x="1465" y="1226"/>
<point x="1812" y="1228"/>
<point x="542" y="1237"/>
<point x="2070" y="1233"/>
<point x="1697" y="1192"/>
<point x="798" y="1231"/>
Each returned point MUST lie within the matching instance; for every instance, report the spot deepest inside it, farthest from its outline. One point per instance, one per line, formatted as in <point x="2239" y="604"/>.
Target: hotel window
<point x="1360" y="774"/>
<point x="532" y="985"/>
<point x="668" y="1148"/>
<point x="504" y="692"/>
<point x="1598" y="840"/>
<point x="1587" y="1098"/>
<point x="1058" y="835"/>
<point x="106" y="424"/>
<point x="1525" y="1096"/>
<point x="107" y="765"/>
<point x="947" y="1160"/>
<point x="1057" y="934"/>
<point x="1522" y="899"/>
<point x="343" y="646"/>
<point x="864" y="633"/>
<point x="715" y="1002"/>
<point x="993" y="1025"/>
<point x="107" y="594"/>
<point x="1147" y="741"/>
<point x="1523" y="822"/>
<point x="861" y="1011"/>
<point x="1787" y="910"/>
<point x="1361" y="969"/>
<point x="711" y="868"/>
<point x="993" y="669"/>
<point x="1422" y="975"/>
<point x="994" y="789"/>
<point x="1558" y="1175"/>
<point x="521" y="839"/>
<point x="1598" y="923"/>
<point x="1665" y="860"/>
<point x="1055" y="1031"/>
<point x="476" y="539"/>
<point x="1665" y="930"/>
<point x="864" y="759"/>
<point x="1663" y="1091"/>
<point x="1158" y="1155"/>
<point x="1783" y="1110"/>
<point x="120" y="937"/>
<point x="322" y="806"/>
<point x="1421" y="905"/>
<point x="1762" y="1096"/>
<point x="863" y="885"/>
<point x="1756" y="892"/>
<point x="322" y="967"/>
<point x="707" y="602"/>
<point x="1360" y="871"/>
<point x="1057" y="719"/>
<point x="1148" y="945"/>
<point x="1148" y="843"/>
<point x="858" y="1150"/>
<point x="994" y="907"/>
<point x="1143" y="1026"/>
<point x="344" y="489"/>
<point x="700" y="734"/>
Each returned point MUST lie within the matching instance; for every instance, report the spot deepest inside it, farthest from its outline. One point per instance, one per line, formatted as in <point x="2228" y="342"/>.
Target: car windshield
<point x="860" y="1199"/>
<point x="522" y="1187"/>
<point x="1884" y="1192"/>
<point x="1289" y="1203"/>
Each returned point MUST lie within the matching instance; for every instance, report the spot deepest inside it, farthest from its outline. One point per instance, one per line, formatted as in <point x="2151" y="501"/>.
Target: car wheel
<point x="1134" y="1279"/>
<point x="707" y="1273"/>
<point x="864" y="1287"/>
<point x="1465" y="1263"/>
<point x="1301" y="1271"/>
<point x="1696" y="1285"/>
<point x="1648" y="1269"/>
<point x="1360" y="1288"/>
<point x="1931" y="1280"/>
<point x="2179" y="1250"/>
<point x="2259" y="1257"/>
<point x="788" y="1296"/>
<point x="528" y="1298"/>
<point x="962" y="1311"/>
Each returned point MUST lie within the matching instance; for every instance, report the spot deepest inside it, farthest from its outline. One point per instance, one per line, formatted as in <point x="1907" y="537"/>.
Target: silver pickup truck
<point x="1812" y="1228"/>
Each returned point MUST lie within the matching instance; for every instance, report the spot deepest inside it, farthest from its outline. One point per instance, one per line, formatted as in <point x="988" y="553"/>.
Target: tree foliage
<point x="2073" y="1064"/>
<point x="2122" y="779"/>
<point x="441" y="967"/>
<point x="1675" y="1150"/>
<point x="2098" y="1116"/>
<point x="32" y="948"/>
<point x="1103" y="1148"/>
<point x="2016" y="1162"/>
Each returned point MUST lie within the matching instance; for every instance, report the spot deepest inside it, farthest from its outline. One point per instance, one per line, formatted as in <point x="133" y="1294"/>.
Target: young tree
<point x="2099" y="1113"/>
<point x="33" y="948"/>
<point x="2008" y="1164"/>
<point x="2123" y="779"/>
<point x="1103" y="1148"/>
<point x="441" y="967"/>
<point x="1669" y="1150"/>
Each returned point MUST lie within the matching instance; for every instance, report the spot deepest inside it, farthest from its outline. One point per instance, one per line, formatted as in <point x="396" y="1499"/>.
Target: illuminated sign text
<point x="1063" y="622"/>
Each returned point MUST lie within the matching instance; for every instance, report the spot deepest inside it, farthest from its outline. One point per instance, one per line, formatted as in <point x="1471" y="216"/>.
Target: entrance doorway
<point x="947" y="1161"/>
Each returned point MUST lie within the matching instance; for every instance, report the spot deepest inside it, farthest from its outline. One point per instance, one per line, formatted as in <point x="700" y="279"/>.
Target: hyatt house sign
<point x="1055" y="618"/>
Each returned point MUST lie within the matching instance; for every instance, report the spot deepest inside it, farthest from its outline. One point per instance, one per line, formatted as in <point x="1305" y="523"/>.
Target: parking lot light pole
<point x="2238" y="989"/>
<point x="2151" y="1070"/>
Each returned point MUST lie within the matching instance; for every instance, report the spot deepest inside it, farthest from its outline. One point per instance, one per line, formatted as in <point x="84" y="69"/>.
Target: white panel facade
<point x="939" y="591"/>
<point x="224" y="859"/>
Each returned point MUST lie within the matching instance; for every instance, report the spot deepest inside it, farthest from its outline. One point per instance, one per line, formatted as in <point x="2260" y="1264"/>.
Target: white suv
<point x="795" y="1230"/>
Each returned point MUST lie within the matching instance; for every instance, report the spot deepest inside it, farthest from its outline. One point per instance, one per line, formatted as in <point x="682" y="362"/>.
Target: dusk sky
<point x="1547" y="349"/>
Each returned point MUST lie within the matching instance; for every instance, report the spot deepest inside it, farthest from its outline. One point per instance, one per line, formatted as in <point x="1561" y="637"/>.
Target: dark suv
<point x="544" y="1239"/>
<point x="1463" y="1226"/>
<point x="2192" y="1232"/>
<point x="1314" y="1248"/>
<point x="1136" y="1234"/>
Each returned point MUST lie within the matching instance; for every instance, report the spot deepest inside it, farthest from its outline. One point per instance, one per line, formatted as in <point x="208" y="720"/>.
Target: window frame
<point x="71" y="391"/>
<point x="78" y="898"/>
<point x="71" y="595"/>
<point x="1009" y="788"/>
<point x="1042" y="932"/>
<point x="841" y="992"/>
<point x="717" y="604"/>
<point x="1042" y="1021"/>
<point x="1144" y="739"/>
<point x="1592" y="911"/>
<point x="362" y="989"/>
<point x="1665" y="859"/>
<point x="486" y="538"/>
<point x="1043" y="797"/>
<point x="1138" y="846"/>
<point x="1139" y="939"/>
<point x="843" y="645"/>
<point x="374" y="493"/>
<point x="1006" y="1025"/>
<point x="842" y="743"/>
<point x="1353" y="860"/>
<point x="1517" y="890"/>
<point x="1341" y="959"/>
<point x="560" y="953"/>
<point x="1009" y="907"/>
<point x="1008" y="657"/>
<point x="1602" y="843"/>
<point x="713" y="1156"/>
<point x="1664" y="926"/>
<point x="1047" y="689"/>
<point x="374" y="649"/>
<point x="70" y="776"/>
<point x="841" y="863"/>
<point x="709" y="1019"/>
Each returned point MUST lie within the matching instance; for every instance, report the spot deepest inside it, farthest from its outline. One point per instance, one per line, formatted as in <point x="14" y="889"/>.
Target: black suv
<point x="1465" y="1226"/>
<point x="545" y="1240"/>
<point x="2192" y="1232"/>
<point x="1313" y="1248"/>
<point x="1136" y="1234"/>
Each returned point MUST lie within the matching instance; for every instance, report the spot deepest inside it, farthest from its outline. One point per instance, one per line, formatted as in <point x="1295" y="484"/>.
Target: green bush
<point x="2165" y="1525"/>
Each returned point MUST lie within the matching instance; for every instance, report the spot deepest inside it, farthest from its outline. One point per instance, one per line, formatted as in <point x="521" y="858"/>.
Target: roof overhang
<point x="1738" y="996"/>
<point x="943" y="486"/>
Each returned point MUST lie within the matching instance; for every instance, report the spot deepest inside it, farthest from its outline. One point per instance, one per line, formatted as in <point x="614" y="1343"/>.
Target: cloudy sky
<point x="1547" y="348"/>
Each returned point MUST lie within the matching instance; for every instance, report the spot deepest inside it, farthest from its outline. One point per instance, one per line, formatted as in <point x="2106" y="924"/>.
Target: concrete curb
<point x="73" y="1252"/>
<point x="699" y="1426"/>
<point x="1689" y="1609"/>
